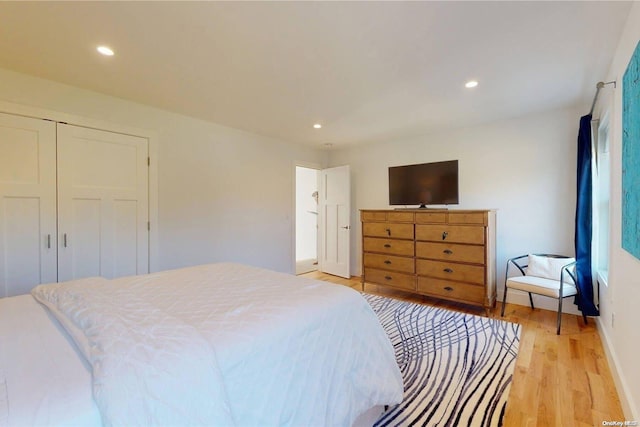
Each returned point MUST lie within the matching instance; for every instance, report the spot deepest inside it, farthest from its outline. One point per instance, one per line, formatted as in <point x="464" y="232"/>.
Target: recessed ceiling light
<point x="105" y="50"/>
<point x="317" y="126"/>
<point x="471" y="83"/>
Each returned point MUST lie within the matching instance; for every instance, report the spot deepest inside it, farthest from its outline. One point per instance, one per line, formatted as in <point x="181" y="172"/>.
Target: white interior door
<point x="27" y="203"/>
<point x="102" y="204"/>
<point x="335" y="221"/>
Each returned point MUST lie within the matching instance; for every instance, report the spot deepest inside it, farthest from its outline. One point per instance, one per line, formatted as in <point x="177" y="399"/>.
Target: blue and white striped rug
<point x="457" y="368"/>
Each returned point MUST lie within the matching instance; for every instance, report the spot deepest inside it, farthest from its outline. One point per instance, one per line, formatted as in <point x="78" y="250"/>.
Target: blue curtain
<point x="584" y="221"/>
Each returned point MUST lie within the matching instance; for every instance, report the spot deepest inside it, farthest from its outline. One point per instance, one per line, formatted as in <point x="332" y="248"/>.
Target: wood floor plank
<point x="559" y="380"/>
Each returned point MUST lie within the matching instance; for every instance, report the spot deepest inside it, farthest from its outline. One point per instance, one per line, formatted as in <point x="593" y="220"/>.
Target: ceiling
<point x="367" y="71"/>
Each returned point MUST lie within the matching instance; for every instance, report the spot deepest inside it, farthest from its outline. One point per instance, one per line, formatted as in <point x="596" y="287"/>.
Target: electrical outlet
<point x="613" y="316"/>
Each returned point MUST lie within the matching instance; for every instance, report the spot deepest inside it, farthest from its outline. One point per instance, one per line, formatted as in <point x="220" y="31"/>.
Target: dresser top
<point x="428" y="210"/>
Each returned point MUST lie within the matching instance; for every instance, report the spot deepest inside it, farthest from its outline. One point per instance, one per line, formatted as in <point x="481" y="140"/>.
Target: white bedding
<point x="236" y="345"/>
<point x="43" y="380"/>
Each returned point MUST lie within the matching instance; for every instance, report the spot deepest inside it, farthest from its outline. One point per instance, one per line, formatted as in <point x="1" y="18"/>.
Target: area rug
<point x="457" y="368"/>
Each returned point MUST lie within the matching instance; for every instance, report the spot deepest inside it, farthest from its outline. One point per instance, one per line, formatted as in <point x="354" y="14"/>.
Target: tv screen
<point x="424" y="184"/>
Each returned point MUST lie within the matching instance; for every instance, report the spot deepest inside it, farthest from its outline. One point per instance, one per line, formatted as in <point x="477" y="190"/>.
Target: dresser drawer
<point x="473" y="234"/>
<point x="450" y="271"/>
<point x="479" y="218"/>
<point x="387" y="229"/>
<point x="389" y="278"/>
<point x="450" y="252"/>
<point x="431" y="217"/>
<point x="389" y="262"/>
<point x="373" y="216"/>
<point x="389" y="246"/>
<point x="396" y="216"/>
<point x="451" y="290"/>
<point x="391" y="216"/>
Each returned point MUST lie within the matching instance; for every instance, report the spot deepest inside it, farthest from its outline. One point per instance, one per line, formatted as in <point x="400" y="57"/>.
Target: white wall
<point x="622" y="296"/>
<point x="306" y="214"/>
<point x="224" y="194"/>
<point x="525" y="168"/>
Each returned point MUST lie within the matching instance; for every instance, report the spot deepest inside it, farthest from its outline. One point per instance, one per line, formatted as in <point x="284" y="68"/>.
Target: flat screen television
<point x="424" y="184"/>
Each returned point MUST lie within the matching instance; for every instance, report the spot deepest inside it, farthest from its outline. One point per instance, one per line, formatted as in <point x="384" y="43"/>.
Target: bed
<point x="218" y="344"/>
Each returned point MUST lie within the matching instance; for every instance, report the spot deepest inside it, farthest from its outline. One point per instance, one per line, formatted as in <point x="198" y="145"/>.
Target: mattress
<point x="253" y="347"/>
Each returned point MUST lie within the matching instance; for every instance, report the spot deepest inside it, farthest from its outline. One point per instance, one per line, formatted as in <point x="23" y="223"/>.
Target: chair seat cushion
<point x="539" y="285"/>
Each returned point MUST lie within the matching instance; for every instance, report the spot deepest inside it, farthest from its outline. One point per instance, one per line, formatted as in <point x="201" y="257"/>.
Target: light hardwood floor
<point x="561" y="381"/>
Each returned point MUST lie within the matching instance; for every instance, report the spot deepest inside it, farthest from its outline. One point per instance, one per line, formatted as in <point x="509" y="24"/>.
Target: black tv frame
<point x="403" y="189"/>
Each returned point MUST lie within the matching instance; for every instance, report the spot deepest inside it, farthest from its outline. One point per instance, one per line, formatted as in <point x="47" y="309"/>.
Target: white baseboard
<point x="630" y="411"/>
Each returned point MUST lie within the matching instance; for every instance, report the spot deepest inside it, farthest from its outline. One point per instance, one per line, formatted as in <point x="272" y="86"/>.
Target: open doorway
<point x="306" y="219"/>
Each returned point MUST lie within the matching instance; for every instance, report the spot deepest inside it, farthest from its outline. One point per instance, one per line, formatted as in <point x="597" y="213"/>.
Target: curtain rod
<point x="599" y="86"/>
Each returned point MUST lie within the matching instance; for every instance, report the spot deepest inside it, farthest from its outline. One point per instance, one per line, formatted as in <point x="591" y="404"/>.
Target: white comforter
<point x="225" y="344"/>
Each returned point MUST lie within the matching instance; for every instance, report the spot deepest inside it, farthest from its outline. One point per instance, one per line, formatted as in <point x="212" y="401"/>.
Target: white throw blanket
<point x="226" y="344"/>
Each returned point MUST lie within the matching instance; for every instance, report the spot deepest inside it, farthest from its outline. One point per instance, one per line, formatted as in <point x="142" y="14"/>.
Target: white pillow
<point x="548" y="267"/>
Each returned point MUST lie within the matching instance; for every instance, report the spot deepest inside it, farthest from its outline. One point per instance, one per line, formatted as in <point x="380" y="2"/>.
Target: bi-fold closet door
<point x="27" y="204"/>
<point x="102" y="203"/>
<point x="73" y="203"/>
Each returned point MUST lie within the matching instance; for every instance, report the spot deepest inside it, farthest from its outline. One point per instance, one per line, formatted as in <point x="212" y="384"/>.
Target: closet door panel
<point x="103" y="203"/>
<point x="125" y="213"/>
<point x="27" y="204"/>
<point x="22" y="233"/>
<point x="84" y="237"/>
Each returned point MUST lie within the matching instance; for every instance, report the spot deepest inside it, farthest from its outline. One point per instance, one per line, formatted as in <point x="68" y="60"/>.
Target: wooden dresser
<point x="447" y="254"/>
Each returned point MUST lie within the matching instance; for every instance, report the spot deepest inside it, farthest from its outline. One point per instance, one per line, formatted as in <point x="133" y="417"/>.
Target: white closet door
<point x="27" y="203"/>
<point x="102" y="204"/>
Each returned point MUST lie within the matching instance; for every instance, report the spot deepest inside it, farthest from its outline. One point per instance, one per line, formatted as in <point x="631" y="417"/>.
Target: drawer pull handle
<point x="388" y="277"/>
<point x="448" y="270"/>
<point x="444" y="234"/>
<point x="448" y="251"/>
<point x="386" y="261"/>
<point x="388" y="230"/>
<point x="448" y="288"/>
<point x="386" y="245"/>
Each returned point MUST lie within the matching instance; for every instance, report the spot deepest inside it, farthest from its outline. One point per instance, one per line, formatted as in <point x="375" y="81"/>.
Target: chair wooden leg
<point x="559" y="315"/>
<point x="504" y="301"/>
<point x="531" y="300"/>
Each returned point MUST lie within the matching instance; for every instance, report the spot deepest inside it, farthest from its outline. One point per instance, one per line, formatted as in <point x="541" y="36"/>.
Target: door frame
<point x="303" y="164"/>
<point x="151" y="136"/>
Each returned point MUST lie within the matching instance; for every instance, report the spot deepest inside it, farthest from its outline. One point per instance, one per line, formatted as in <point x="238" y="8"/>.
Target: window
<point x="601" y="192"/>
